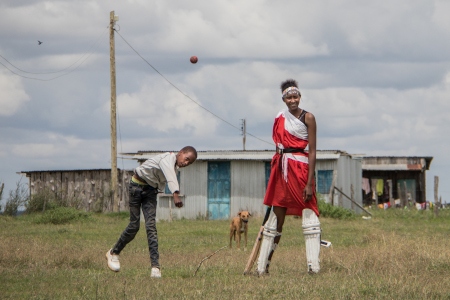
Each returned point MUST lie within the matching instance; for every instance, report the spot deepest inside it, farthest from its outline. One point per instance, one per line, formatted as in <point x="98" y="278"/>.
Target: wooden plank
<point x="342" y="193"/>
<point x="333" y="183"/>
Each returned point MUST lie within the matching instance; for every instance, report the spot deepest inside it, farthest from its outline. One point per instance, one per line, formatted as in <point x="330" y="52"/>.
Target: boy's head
<point x="186" y="156"/>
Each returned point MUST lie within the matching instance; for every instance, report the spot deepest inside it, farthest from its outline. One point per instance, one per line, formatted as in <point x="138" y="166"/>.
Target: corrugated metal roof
<point x="391" y="167"/>
<point x="236" y="154"/>
<point x="393" y="163"/>
<point x="258" y="155"/>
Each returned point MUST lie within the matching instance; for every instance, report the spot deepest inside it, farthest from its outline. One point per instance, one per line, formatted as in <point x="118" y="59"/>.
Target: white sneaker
<point x="156" y="273"/>
<point x="113" y="261"/>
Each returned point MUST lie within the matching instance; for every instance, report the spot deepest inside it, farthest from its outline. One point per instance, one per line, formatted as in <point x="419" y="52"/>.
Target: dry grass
<point x="395" y="255"/>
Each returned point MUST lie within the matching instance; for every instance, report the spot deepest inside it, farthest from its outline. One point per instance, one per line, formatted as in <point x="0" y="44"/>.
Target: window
<point x="324" y="179"/>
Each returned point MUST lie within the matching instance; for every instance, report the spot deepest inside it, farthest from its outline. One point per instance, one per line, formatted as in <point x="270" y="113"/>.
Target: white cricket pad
<point x="311" y="231"/>
<point x="267" y="245"/>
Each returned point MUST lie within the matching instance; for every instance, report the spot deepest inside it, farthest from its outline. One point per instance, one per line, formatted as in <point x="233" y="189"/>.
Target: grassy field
<point x="398" y="254"/>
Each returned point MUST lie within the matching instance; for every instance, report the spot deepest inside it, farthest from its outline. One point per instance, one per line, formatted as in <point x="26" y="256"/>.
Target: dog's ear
<point x="249" y="214"/>
<point x="239" y="213"/>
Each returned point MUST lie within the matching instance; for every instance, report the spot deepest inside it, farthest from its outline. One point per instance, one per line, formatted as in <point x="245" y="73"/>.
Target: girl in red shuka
<point x="291" y="187"/>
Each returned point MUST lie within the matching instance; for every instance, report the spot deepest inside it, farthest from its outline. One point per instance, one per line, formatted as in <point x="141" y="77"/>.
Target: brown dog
<point x="239" y="225"/>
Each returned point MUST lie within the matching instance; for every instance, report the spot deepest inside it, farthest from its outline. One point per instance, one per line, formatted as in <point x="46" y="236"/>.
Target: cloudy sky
<point x="375" y="75"/>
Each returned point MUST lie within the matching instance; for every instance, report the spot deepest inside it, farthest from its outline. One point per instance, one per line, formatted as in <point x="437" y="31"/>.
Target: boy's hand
<point x="177" y="200"/>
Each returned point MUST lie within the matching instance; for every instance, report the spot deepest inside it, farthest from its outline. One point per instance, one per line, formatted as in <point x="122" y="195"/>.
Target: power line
<point x="53" y="72"/>
<point x="184" y="94"/>
<point x="33" y="78"/>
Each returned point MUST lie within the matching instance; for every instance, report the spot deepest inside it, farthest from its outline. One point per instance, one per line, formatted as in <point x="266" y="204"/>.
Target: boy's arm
<point x="177" y="200"/>
<point x="168" y="168"/>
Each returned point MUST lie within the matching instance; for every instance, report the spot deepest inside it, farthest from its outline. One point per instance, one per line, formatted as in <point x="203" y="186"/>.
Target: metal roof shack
<point x="242" y="177"/>
<point x="397" y="180"/>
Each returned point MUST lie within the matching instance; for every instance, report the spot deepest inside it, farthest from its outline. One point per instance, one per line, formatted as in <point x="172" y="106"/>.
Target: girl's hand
<point x="307" y="193"/>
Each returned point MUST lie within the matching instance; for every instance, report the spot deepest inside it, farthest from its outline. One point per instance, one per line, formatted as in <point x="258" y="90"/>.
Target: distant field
<point x="396" y="255"/>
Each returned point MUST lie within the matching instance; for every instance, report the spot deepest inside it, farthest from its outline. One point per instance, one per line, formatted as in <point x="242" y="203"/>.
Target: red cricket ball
<point x="194" y="59"/>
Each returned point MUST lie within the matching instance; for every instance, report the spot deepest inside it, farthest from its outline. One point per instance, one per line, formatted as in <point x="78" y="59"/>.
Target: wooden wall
<point x="89" y="188"/>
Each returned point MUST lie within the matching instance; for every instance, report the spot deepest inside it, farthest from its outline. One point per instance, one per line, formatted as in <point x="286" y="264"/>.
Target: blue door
<point x="219" y="190"/>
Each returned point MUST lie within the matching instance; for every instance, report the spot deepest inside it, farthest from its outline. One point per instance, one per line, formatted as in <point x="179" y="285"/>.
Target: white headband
<point x="291" y="90"/>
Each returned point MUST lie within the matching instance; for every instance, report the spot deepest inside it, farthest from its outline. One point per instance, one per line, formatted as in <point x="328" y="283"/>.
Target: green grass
<point x="398" y="254"/>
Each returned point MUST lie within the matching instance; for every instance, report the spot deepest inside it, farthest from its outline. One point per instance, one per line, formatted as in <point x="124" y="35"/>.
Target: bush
<point x="46" y="199"/>
<point x="61" y="215"/>
<point x="41" y="201"/>
<point x="329" y="211"/>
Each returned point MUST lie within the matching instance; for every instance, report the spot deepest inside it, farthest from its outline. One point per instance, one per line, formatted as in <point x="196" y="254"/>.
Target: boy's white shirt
<point x="159" y="170"/>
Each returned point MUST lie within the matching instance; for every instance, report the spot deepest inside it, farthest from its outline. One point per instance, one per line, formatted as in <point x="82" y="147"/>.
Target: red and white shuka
<point x="289" y="171"/>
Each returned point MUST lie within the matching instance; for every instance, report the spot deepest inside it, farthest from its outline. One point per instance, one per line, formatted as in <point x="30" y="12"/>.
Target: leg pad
<point x="311" y="232"/>
<point x="267" y="244"/>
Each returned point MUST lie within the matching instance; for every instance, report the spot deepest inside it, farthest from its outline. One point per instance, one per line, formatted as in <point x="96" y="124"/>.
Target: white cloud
<point x="12" y="94"/>
<point x="162" y="108"/>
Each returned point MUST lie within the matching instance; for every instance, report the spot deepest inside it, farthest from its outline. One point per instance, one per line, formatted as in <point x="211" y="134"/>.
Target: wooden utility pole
<point x="436" y="188"/>
<point x="114" y="177"/>
<point x="244" y="133"/>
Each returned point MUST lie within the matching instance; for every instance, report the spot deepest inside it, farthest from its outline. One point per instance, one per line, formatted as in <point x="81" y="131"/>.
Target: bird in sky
<point x="39" y="42"/>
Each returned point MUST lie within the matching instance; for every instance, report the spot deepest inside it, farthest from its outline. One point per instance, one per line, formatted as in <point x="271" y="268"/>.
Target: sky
<point x="375" y="74"/>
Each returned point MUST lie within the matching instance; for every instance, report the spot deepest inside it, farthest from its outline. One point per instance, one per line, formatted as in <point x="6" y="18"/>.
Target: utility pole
<point x="244" y="133"/>
<point x="114" y="177"/>
<point x="436" y="189"/>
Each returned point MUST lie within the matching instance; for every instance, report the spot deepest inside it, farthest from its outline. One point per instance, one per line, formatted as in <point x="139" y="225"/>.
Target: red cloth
<point x="287" y="181"/>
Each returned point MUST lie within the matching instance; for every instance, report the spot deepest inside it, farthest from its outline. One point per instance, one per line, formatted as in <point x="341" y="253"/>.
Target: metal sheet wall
<point x="247" y="191"/>
<point x="247" y="187"/>
<point x="349" y="176"/>
<point x="193" y="188"/>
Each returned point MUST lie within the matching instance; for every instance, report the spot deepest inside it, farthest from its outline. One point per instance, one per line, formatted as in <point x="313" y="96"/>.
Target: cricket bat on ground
<point x="256" y="245"/>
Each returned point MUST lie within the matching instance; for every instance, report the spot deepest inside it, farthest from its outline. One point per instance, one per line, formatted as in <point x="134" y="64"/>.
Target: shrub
<point x="46" y="199"/>
<point x="41" y="201"/>
<point x="329" y="211"/>
<point x="61" y="215"/>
